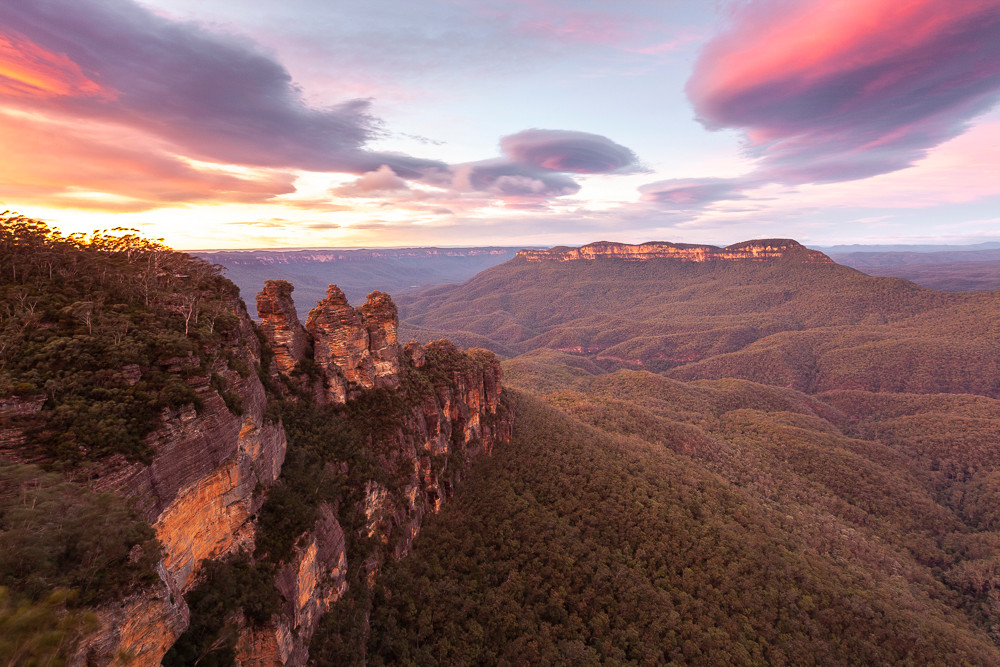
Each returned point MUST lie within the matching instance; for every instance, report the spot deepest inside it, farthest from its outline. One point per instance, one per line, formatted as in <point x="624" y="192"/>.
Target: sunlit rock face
<point x="382" y="321"/>
<point x="341" y="346"/>
<point x="313" y="579"/>
<point x="459" y="419"/>
<point x="212" y="469"/>
<point x="759" y="250"/>
<point x="356" y="348"/>
<point x="200" y="493"/>
<point x="280" y="325"/>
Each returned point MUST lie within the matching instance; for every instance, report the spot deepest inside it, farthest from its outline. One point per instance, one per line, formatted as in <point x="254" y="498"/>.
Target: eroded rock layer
<point x="213" y="466"/>
<point x="448" y="414"/>
<point x="200" y="493"/>
<point x="759" y="250"/>
<point x="341" y="346"/>
<point x="280" y="324"/>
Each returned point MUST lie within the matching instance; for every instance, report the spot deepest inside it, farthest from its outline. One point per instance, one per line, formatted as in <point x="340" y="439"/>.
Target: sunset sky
<point x="259" y="123"/>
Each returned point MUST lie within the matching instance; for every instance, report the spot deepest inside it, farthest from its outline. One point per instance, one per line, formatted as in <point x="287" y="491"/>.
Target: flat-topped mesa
<point x="755" y="250"/>
<point x="281" y="325"/>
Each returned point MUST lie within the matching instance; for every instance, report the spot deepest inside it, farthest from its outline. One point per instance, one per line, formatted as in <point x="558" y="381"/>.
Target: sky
<point x="370" y="123"/>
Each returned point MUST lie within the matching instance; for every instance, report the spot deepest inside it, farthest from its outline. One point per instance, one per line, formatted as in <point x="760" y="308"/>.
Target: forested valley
<point x="768" y="462"/>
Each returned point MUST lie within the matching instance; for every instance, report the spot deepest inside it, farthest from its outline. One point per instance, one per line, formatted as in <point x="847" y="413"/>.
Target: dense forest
<point x="813" y="326"/>
<point x="637" y="519"/>
<point x="769" y="463"/>
<point x="715" y="464"/>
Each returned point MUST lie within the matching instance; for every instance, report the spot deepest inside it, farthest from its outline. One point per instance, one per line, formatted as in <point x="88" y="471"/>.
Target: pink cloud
<point x="832" y="91"/>
<point x="373" y="183"/>
<point x="27" y="70"/>
<point x="213" y="96"/>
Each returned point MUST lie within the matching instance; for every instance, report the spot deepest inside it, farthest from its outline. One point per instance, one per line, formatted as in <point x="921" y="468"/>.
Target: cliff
<point x="419" y="416"/>
<point x="200" y="493"/>
<point x="756" y="250"/>
<point x="280" y="324"/>
<point x="154" y="507"/>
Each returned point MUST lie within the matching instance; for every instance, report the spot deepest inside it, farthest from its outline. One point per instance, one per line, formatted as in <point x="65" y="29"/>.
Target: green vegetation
<point x="41" y="632"/>
<point x="227" y="591"/>
<point x="772" y="540"/>
<point x="810" y="326"/>
<point x="63" y="549"/>
<point x="106" y="328"/>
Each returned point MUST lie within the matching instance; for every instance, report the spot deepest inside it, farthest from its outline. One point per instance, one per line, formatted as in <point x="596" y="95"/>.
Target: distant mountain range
<point x="795" y="319"/>
<point x="356" y="271"/>
<point x="401" y="270"/>
<point x="949" y="268"/>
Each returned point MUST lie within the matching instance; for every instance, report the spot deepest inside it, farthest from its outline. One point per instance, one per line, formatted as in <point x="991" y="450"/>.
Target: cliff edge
<point x="755" y="250"/>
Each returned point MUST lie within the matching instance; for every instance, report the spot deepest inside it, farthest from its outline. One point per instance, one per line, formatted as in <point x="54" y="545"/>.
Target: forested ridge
<point x="104" y="329"/>
<point x="98" y="335"/>
<point x="716" y="464"/>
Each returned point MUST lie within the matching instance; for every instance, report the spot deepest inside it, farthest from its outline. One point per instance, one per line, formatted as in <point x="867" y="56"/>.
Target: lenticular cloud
<point x="828" y="92"/>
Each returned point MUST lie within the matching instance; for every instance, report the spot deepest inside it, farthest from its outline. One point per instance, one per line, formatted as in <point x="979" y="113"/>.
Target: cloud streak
<point x="831" y="92"/>
<point x="567" y="151"/>
<point x="536" y="166"/>
<point x="99" y="168"/>
<point x="686" y="193"/>
<point x="214" y="96"/>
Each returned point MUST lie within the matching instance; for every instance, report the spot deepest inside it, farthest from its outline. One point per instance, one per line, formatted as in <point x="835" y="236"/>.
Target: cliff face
<point x="281" y="325"/>
<point x="309" y="583"/>
<point x="454" y="417"/>
<point x="757" y="250"/>
<point x="213" y="465"/>
<point x="199" y="493"/>
<point x="357" y="349"/>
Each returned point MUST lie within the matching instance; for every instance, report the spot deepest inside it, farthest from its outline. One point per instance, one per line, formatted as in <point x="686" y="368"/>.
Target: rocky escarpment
<point x="437" y="408"/>
<point x="280" y="324"/>
<point x="200" y="493"/>
<point x="757" y="250"/>
<point x="355" y="350"/>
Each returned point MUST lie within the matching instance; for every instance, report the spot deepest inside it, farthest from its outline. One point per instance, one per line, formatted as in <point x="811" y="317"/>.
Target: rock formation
<point x="757" y="250"/>
<point x="213" y="465"/>
<point x="341" y="346"/>
<point x="281" y="325"/>
<point x="382" y="321"/>
<point x="457" y="419"/>
<point x="200" y="494"/>
<point x="356" y="349"/>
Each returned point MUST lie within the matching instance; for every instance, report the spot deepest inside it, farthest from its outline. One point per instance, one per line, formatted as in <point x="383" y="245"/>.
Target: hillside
<point x="652" y="521"/>
<point x="791" y="487"/>
<point x="178" y="484"/>
<point x="794" y="319"/>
